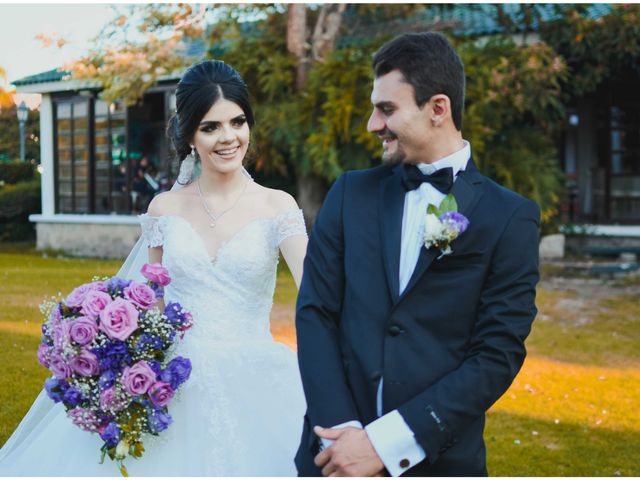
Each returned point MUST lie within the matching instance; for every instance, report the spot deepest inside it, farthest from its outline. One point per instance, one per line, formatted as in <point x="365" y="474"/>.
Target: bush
<point x="17" y="202"/>
<point x="17" y="171"/>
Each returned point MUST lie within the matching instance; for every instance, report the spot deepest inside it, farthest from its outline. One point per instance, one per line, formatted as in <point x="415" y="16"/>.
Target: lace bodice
<point x="231" y="296"/>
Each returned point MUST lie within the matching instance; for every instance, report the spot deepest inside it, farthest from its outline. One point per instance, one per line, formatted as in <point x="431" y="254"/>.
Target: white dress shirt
<point x="390" y="435"/>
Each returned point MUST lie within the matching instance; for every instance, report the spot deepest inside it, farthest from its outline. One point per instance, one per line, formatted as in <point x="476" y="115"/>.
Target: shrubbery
<point x="19" y="198"/>
<point x="17" y="171"/>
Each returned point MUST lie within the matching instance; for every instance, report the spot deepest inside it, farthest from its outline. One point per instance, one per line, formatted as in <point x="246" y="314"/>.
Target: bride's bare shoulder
<point x="278" y="201"/>
<point x="170" y="203"/>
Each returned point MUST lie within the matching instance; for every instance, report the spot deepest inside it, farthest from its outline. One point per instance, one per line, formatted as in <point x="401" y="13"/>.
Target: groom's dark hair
<point x="429" y="63"/>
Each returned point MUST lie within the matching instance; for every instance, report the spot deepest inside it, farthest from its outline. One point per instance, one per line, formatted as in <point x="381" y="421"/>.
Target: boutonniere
<point x="443" y="225"/>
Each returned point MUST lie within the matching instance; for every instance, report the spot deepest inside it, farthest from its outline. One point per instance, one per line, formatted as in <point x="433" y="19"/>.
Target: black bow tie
<point x="441" y="179"/>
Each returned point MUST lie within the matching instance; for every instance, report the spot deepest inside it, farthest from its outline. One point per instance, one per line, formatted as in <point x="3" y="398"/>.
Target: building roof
<point x="54" y="75"/>
<point x="482" y="18"/>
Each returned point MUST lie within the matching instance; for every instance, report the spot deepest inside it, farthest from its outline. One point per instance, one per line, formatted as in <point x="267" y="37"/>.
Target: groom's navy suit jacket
<point x="448" y="347"/>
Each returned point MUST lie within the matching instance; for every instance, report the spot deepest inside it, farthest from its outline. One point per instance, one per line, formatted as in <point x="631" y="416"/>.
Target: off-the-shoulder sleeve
<point x="151" y="230"/>
<point x="290" y="223"/>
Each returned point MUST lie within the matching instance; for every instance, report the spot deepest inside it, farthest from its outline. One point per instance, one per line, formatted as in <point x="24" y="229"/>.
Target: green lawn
<point x="572" y="410"/>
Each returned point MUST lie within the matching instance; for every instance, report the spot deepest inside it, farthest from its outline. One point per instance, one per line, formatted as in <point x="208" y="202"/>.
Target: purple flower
<point x="111" y="434"/>
<point x="59" y="366"/>
<point x="83" y="330"/>
<point x="44" y="354"/>
<point x="111" y="400"/>
<point x="177" y="316"/>
<point x="140" y="295"/>
<point x="160" y="394"/>
<point x="158" y="290"/>
<point x="52" y="387"/>
<point x="77" y="296"/>
<point x="137" y="379"/>
<point x="84" y="418"/>
<point x="119" y="319"/>
<point x="106" y="379"/>
<point x="85" y="364"/>
<point x="159" y="421"/>
<point x="55" y="314"/>
<point x="115" y="285"/>
<point x="113" y="355"/>
<point x="60" y="333"/>
<point x="177" y="372"/>
<point x="455" y="221"/>
<point x="99" y="286"/>
<point x="94" y="303"/>
<point x="73" y="396"/>
<point x="155" y="366"/>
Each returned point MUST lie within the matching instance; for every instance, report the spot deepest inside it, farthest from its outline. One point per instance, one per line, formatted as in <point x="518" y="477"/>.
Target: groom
<point x="402" y="348"/>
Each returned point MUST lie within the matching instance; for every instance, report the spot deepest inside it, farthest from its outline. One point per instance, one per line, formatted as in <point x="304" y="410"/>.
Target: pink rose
<point x="111" y="401"/>
<point x="119" y="319"/>
<point x="85" y="364"/>
<point x="44" y="354"/>
<point x="137" y="379"/>
<point x="83" y="330"/>
<point x="77" y="296"/>
<point x="156" y="273"/>
<point x="99" y="286"/>
<point x="140" y="294"/>
<point x="94" y="303"/>
<point x="59" y="366"/>
<point x="160" y="394"/>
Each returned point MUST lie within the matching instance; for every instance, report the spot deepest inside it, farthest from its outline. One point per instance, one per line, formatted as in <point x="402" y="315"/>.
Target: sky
<point x="22" y="55"/>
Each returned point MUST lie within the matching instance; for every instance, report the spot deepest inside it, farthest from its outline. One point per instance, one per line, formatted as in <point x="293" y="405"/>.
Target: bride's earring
<point x="186" y="168"/>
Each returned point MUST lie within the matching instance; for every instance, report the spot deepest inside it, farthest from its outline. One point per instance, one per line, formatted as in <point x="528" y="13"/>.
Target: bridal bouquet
<point x="108" y="349"/>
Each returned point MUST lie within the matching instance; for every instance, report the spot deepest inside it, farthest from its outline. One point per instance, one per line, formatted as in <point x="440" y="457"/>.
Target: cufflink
<point x="404" y="463"/>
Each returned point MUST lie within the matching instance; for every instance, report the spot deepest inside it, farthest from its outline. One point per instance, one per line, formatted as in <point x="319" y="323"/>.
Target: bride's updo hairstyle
<point x="202" y="85"/>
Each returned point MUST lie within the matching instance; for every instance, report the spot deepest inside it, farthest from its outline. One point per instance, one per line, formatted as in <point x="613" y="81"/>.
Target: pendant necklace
<point x="215" y="218"/>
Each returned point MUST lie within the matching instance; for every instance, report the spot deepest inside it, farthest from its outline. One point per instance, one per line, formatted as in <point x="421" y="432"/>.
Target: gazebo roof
<point x="54" y="75"/>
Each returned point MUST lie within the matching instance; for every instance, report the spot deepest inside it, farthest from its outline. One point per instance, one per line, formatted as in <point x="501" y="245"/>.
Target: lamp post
<point x="23" y="113"/>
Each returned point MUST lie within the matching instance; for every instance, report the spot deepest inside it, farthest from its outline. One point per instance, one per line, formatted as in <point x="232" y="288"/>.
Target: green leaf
<point x="432" y="209"/>
<point x="448" y="204"/>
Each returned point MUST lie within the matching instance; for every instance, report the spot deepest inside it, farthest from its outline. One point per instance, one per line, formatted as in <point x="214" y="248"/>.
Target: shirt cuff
<point x="326" y="443"/>
<point x="395" y="443"/>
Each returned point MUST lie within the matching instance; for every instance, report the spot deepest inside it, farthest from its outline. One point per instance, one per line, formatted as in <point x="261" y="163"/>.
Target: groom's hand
<point x="350" y="455"/>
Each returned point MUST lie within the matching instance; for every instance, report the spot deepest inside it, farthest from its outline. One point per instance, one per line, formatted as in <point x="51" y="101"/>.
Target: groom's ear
<point x="440" y="106"/>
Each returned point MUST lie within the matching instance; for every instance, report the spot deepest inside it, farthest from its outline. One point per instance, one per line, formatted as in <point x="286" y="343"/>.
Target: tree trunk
<point x="326" y="30"/>
<point x="311" y="192"/>
<point x="297" y="41"/>
<point x="311" y="188"/>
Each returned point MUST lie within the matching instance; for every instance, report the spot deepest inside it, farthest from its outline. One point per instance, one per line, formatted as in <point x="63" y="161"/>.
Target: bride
<point x="219" y="236"/>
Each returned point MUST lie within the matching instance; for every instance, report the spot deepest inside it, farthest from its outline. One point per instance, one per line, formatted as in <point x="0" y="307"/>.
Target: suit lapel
<point x="466" y="192"/>
<point x="392" y="195"/>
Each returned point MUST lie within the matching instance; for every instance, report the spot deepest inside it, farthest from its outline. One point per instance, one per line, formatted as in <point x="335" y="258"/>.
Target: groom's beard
<point x="395" y="157"/>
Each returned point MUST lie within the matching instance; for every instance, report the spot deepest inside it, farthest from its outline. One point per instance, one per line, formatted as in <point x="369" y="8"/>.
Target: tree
<point x="309" y="74"/>
<point x="6" y="101"/>
<point x="10" y="135"/>
<point x="142" y="45"/>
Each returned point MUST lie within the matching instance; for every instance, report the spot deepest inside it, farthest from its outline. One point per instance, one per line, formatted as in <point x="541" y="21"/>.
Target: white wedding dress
<point x="241" y="412"/>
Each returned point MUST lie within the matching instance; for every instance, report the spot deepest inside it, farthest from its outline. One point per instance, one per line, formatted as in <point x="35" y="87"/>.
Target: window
<point x="72" y="155"/>
<point x="111" y="159"/>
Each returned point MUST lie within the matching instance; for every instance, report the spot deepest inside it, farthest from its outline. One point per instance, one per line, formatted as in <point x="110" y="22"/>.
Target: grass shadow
<point x="524" y="446"/>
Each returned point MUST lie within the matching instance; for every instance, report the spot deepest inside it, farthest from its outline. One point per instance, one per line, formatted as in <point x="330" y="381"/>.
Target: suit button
<point x="395" y="330"/>
<point x="404" y="463"/>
